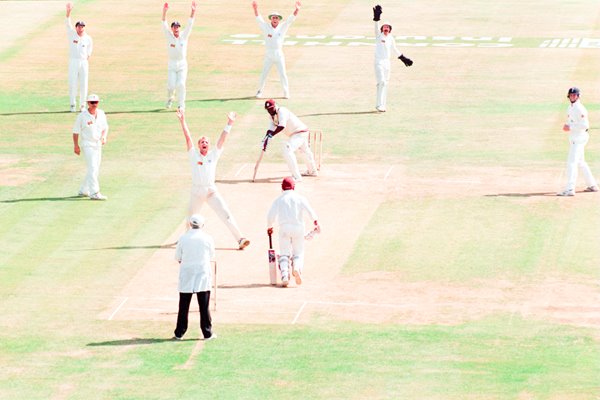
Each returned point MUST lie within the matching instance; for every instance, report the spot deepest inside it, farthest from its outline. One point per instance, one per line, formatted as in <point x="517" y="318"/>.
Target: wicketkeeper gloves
<point x="377" y="12"/>
<point x="407" y="61"/>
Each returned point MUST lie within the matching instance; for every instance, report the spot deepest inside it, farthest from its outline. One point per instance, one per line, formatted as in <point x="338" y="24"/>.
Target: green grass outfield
<point x="473" y="111"/>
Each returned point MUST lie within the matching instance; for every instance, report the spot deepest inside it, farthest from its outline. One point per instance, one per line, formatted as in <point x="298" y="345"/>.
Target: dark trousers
<point x="184" y="307"/>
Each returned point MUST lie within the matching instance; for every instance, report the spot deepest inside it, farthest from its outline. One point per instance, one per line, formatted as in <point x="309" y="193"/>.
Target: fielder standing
<point x="274" y="34"/>
<point x="195" y="249"/>
<point x="283" y="120"/>
<point x="81" y="46"/>
<point x="177" y="51"/>
<point x="384" y="43"/>
<point x="288" y="210"/>
<point x="92" y="126"/>
<point x="204" y="166"/>
<point x="577" y="126"/>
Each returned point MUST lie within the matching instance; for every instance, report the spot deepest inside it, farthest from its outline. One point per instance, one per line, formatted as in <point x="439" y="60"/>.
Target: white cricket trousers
<point x="291" y="247"/>
<point x="201" y="195"/>
<point x="382" y="74"/>
<point x="177" y="77"/>
<point x="78" y="79"/>
<point x="576" y="160"/>
<point x="274" y="57"/>
<point x="93" y="158"/>
<point x="298" y="141"/>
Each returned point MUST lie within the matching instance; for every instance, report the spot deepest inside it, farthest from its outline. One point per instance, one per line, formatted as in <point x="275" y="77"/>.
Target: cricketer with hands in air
<point x="81" y="46"/>
<point x="203" y="162"/>
<point x="177" y="42"/>
<point x="274" y="35"/>
<point x="384" y="44"/>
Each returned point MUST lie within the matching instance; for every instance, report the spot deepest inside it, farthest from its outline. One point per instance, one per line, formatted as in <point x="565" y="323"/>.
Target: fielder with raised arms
<point x="177" y="50"/>
<point x="204" y="166"/>
<point x="384" y="43"/>
<point x="274" y="33"/>
<point x="81" y="46"/>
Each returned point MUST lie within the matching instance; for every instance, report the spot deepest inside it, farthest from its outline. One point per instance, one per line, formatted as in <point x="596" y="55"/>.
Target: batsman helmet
<point x="384" y="24"/>
<point x="270" y="104"/>
<point x="197" y="221"/>
<point x="288" y="183"/>
<point x="574" y="90"/>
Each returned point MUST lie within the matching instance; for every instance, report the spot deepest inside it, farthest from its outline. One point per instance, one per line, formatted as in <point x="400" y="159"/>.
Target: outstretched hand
<point x="254" y="5"/>
<point x="165" y="6"/>
<point x="69" y="7"/>
<point x="231" y="116"/>
<point x="194" y="6"/>
<point x="180" y="115"/>
<point x="298" y="5"/>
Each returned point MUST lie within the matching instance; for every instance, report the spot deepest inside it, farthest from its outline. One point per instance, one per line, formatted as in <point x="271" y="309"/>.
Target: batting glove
<point x="377" y="12"/>
<point x="407" y="61"/>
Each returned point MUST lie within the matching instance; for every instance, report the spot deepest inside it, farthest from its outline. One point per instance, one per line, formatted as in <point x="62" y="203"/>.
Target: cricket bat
<point x="272" y="263"/>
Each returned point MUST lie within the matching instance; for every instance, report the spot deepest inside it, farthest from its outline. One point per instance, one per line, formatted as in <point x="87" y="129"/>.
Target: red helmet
<point x="270" y="103"/>
<point x="288" y="183"/>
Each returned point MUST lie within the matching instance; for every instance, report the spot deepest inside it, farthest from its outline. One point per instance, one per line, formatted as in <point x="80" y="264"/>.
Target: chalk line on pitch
<point x="240" y="170"/>
<point x="299" y="312"/>
<point x="118" y="308"/>
<point x="190" y="361"/>
<point x="387" y="174"/>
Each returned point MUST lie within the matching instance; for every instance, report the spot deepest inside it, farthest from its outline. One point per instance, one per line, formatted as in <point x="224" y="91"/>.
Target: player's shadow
<point x="67" y="198"/>
<point x="36" y="113"/>
<point x="339" y="113"/>
<point x="247" y="286"/>
<point x="533" y="194"/>
<point x="154" y="110"/>
<point x="135" y="342"/>
<point x="276" y="179"/>
<point x="222" y="100"/>
<point x="151" y="246"/>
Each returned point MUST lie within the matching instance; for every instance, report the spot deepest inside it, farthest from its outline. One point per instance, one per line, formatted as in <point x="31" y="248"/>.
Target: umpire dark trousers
<point x="184" y="307"/>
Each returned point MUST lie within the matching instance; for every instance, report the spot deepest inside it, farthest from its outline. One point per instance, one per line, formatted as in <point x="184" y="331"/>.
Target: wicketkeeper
<point x="384" y="43"/>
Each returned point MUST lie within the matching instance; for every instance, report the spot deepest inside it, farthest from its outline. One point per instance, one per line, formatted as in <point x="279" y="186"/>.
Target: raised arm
<point x="193" y="12"/>
<point x="164" y="12"/>
<point x="230" y="120"/>
<point x="185" y="129"/>
<point x="69" y="8"/>
<point x="255" y="8"/>
<point x="297" y="5"/>
<point x="377" y="11"/>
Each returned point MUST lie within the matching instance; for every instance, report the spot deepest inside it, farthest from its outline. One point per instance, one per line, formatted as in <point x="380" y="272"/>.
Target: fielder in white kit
<point x="177" y="50"/>
<point x="81" y="46"/>
<point x="384" y="44"/>
<point x="274" y="33"/>
<point x="204" y="166"/>
<point x="92" y="126"/>
<point x="283" y="120"/>
<point x="288" y="210"/>
<point x="577" y="126"/>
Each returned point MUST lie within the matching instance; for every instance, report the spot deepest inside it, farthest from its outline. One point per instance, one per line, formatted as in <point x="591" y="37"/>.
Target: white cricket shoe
<point x="98" y="196"/>
<point x="169" y="103"/>
<point x="259" y="94"/>
<point x="83" y="194"/>
<point x="285" y="280"/>
<point x="566" y="192"/>
<point x="297" y="277"/>
<point x="243" y="243"/>
<point x="286" y="95"/>
<point x="380" y="109"/>
<point x="591" y="189"/>
<point x="310" y="173"/>
<point x="73" y="108"/>
<point x="82" y="108"/>
<point x="211" y="337"/>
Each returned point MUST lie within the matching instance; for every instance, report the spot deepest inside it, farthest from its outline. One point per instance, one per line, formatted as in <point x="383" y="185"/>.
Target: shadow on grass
<point x="223" y="100"/>
<point x="340" y="113"/>
<point x="136" y="341"/>
<point x="276" y="179"/>
<point x="68" y="198"/>
<point x="37" y="113"/>
<point x="553" y="194"/>
<point x="247" y="286"/>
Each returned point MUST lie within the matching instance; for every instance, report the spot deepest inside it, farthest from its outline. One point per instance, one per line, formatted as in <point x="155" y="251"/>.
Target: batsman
<point x="288" y="210"/>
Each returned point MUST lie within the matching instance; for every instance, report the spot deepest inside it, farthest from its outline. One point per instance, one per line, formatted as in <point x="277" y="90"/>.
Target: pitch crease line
<point x="387" y="174"/>
<point x="299" y="312"/>
<point x="240" y="170"/>
<point x="118" y="308"/>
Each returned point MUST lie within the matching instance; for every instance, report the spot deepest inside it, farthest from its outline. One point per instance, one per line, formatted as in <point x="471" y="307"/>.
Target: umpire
<point x="195" y="249"/>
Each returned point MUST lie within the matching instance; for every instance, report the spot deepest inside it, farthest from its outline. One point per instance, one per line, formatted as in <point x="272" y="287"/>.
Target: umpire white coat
<point x="195" y="249"/>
